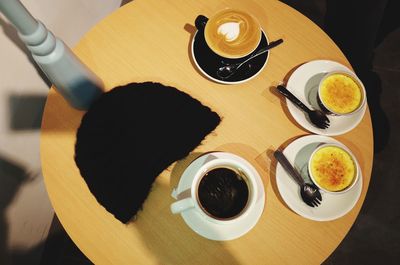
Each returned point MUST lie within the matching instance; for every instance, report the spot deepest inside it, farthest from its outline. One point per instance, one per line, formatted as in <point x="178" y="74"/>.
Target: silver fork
<point x="317" y="117"/>
<point x="308" y="192"/>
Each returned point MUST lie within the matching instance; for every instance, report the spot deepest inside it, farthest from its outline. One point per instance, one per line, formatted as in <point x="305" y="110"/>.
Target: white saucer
<point x="206" y="228"/>
<point x="303" y="83"/>
<point x="333" y="206"/>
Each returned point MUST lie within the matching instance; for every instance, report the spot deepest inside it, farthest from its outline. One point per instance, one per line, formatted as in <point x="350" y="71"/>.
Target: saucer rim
<point x="221" y="81"/>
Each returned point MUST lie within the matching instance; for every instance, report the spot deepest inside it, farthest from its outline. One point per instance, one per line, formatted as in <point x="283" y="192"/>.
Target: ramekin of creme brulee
<point x="341" y="93"/>
<point x="333" y="168"/>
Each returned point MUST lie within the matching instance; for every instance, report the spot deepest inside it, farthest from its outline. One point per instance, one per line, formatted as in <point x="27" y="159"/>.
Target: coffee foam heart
<point x="230" y="30"/>
<point x="232" y="33"/>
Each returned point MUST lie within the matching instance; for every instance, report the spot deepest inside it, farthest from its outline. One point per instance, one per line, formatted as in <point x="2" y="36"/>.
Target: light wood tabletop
<point x="149" y="40"/>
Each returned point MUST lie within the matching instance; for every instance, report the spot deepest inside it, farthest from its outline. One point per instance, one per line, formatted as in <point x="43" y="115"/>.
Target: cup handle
<point x="201" y="22"/>
<point x="182" y="205"/>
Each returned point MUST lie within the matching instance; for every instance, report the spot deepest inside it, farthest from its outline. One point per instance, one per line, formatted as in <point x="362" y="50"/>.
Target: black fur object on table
<point x="130" y="135"/>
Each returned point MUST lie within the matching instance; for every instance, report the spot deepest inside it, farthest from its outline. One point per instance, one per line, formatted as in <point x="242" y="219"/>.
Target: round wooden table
<point x="150" y="40"/>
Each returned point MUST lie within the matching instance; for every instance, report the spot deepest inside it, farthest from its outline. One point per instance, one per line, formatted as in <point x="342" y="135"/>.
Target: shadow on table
<point x="58" y="248"/>
<point x="70" y="119"/>
<point x="178" y="243"/>
<point x="191" y="29"/>
<point x="26" y="111"/>
<point x="12" y="177"/>
<point x="182" y="245"/>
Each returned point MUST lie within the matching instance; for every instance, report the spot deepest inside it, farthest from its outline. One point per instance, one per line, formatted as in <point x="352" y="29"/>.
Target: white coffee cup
<point x="192" y="201"/>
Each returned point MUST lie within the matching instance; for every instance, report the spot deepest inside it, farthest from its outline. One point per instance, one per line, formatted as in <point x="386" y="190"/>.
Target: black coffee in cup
<point x="223" y="193"/>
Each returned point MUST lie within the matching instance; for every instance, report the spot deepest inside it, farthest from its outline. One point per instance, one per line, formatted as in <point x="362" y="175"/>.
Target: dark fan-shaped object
<point x="130" y="135"/>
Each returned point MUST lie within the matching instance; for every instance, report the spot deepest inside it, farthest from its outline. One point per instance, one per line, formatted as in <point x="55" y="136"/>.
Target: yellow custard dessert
<point x="333" y="168"/>
<point x="340" y="93"/>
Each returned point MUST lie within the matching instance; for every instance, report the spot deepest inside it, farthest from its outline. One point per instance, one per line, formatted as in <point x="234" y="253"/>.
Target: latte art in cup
<point x="232" y="33"/>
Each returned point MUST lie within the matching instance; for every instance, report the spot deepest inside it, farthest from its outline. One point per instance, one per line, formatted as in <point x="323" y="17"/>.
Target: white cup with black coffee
<point x="222" y="191"/>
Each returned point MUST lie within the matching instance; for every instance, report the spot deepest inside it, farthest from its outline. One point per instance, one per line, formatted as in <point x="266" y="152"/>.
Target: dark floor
<point x="375" y="236"/>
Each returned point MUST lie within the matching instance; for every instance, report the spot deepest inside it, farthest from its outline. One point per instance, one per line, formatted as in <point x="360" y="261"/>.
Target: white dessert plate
<point x="303" y="83"/>
<point x="333" y="206"/>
